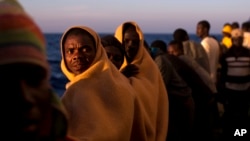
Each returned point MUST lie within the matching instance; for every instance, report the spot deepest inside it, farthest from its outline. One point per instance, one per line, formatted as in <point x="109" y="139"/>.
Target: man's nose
<point x="27" y="97"/>
<point x="77" y="55"/>
<point x="130" y="44"/>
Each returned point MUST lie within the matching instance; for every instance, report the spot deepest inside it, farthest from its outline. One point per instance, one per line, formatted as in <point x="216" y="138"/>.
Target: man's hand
<point x="130" y="70"/>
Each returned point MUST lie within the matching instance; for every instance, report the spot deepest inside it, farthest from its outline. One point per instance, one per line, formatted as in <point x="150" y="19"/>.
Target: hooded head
<point x="81" y="53"/>
<point x="79" y="49"/>
<point x="131" y="36"/>
<point x="114" y="50"/>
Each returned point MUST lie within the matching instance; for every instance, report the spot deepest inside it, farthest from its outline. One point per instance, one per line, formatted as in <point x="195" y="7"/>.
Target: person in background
<point x="176" y="49"/>
<point x="225" y="44"/>
<point x="211" y="47"/>
<point x="98" y="98"/>
<point x="226" y="36"/>
<point x="181" y="103"/>
<point x="245" y="27"/>
<point x="114" y="50"/>
<point x="203" y="90"/>
<point x="32" y="111"/>
<point x="235" y="25"/>
<point x="116" y="53"/>
<point x="151" y="118"/>
<point x="192" y="48"/>
<point x="235" y="77"/>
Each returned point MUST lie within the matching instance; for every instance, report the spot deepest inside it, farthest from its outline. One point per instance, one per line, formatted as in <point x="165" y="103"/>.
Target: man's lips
<point x="79" y="65"/>
<point x="30" y="124"/>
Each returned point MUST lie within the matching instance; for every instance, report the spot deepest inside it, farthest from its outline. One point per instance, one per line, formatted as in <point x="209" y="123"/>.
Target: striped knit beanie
<point x="21" y="40"/>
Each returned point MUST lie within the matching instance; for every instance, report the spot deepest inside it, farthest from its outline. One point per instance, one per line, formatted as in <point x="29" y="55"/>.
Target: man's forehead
<point x="130" y="30"/>
<point x="131" y="33"/>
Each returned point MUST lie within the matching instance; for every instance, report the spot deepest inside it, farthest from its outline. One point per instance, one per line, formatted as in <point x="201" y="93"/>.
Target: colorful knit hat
<point x="21" y="40"/>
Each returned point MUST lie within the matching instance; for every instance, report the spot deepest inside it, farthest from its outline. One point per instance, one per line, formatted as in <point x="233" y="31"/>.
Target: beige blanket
<point x="100" y="101"/>
<point x="151" y="115"/>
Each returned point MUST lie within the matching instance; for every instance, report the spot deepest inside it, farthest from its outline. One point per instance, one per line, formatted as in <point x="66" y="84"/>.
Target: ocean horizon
<point x="149" y="37"/>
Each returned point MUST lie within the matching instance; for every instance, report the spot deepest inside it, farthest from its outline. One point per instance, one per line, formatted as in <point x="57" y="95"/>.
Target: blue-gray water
<point x="58" y="80"/>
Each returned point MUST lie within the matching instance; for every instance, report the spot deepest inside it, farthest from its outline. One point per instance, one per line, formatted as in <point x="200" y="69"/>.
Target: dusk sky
<point x="153" y="16"/>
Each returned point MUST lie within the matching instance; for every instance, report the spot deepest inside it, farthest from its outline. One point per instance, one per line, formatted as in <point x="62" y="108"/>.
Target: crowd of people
<point x="121" y="88"/>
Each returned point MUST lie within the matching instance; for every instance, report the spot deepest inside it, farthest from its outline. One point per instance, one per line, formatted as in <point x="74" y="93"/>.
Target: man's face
<point x="172" y="50"/>
<point x="26" y="89"/>
<point x="199" y="30"/>
<point x="115" y="55"/>
<point x="79" y="52"/>
<point x="131" y="42"/>
<point x="237" y="41"/>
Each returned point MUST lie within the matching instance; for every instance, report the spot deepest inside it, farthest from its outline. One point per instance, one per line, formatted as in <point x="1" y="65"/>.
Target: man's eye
<point x="86" y="49"/>
<point x="126" y="41"/>
<point x="34" y="78"/>
<point x="136" y="42"/>
<point x="70" y="51"/>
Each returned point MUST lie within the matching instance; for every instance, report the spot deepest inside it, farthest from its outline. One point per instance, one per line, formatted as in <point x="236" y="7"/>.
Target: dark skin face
<point x="114" y="55"/>
<point x="28" y="90"/>
<point x="200" y="31"/>
<point x="172" y="50"/>
<point x="79" y="52"/>
<point x="131" y="42"/>
<point x="237" y="41"/>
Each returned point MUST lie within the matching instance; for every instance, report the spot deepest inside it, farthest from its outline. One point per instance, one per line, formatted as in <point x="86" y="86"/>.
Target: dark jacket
<point x="181" y="104"/>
